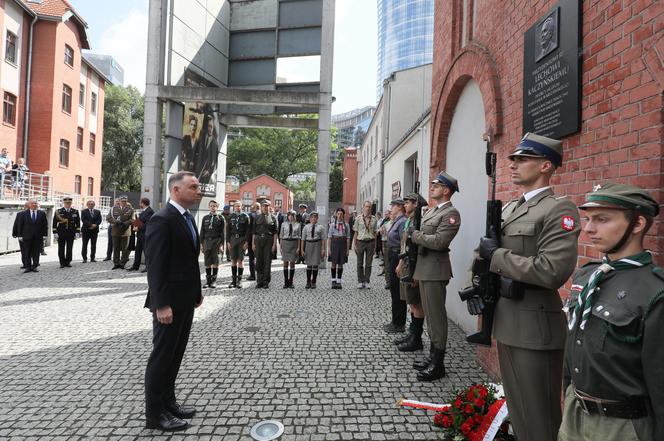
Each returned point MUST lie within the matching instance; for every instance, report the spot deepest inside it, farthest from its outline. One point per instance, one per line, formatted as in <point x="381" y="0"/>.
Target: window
<point x="93" y="103"/>
<point x="92" y="143"/>
<point x="77" y="184"/>
<point x="64" y="153"/>
<point x="10" y="47"/>
<point x="79" y="138"/>
<point x="66" y="98"/>
<point x="9" y="109"/>
<point x="69" y="55"/>
<point x="81" y="96"/>
<point x="91" y="186"/>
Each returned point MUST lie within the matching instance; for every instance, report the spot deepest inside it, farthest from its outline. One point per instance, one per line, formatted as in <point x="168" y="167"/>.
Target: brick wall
<point x="252" y="186"/>
<point x="622" y="84"/>
<point x="350" y="179"/>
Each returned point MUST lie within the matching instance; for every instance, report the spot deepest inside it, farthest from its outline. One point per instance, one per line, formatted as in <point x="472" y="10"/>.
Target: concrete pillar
<point x="173" y="144"/>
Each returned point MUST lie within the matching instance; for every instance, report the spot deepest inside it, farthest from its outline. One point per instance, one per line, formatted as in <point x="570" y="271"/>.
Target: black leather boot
<point x="211" y="281"/>
<point x="207" y="281"/>
<point x="233" y="284"/>
<point x="413" y="343"/>
<point x="436" y="368"/>
<point x="397" y="341"/>
<point x="423" y="364"/>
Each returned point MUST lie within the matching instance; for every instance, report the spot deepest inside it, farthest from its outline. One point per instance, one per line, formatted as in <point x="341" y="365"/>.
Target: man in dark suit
<point x="139" y="227"/>
<point x="91" y="219"/>
<point x="172" y="246"/>
<point x="30" y="228"/>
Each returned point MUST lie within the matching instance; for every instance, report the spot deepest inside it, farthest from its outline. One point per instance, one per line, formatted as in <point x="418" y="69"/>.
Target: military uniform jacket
<point x="438" y="227"/>
<point x="265" y="224"/>
<point x="66" y="224"/>
<point x="213" y="228"/>
<point x="120" y="217"/>
<point x="237" y="228"/>
<point x="538" y="248"/>
<point x="620" y="353"/>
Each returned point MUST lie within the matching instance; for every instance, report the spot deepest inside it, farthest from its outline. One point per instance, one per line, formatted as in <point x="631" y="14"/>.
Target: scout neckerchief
<point x="367" y="225"/>
<point x="585" y="300"/>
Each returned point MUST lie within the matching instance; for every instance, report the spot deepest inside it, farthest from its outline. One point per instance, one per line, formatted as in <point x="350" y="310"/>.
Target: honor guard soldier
<point x="66" y="227"/>
<point x="264" y="244"/>
<point x="120" y="217"/>
<point x="433" y="271"/>
<point x="213" y="228"/>
<point x="614" y="356"/>
<point x="311" y="246"/>
<point x="537" y="255"/>
<point x="237" y="236"/>
<point x="289" y="238"/>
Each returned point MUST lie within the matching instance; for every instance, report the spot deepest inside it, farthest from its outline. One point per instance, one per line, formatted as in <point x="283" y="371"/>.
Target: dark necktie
<point x="91" y="213"/>
<point x="190" y="223"/>
<point x="312" y="230"/>
<point x="34" y="217"/>
<point x="290" y="230"/>
<point x="520" y="202"/>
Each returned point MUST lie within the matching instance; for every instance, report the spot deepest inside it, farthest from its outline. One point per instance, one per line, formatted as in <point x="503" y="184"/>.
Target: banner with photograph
<point x="200" y="145"/>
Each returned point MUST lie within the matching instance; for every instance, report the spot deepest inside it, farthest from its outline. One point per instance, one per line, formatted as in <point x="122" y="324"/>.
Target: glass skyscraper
<point x="405" y="36"/>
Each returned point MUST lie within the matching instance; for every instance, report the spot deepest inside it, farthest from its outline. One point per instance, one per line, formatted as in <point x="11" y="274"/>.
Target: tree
<point x="123" y="139"/>
<point x="336" y="183"/>
<point x="304" y="190"/>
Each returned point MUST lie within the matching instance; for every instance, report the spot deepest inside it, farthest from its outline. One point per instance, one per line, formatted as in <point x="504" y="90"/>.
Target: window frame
<point x="92" y="146"/>
<point x="13" y="60"/>
<point x="68" y="56"/>
<point x="66" y="98"/>
<point x="9" y="118"/>
<point x="78" y="183"/>
<point x="81" y="96"/>
<point x="91" y="186"/>
<point x="93" y="103"/>
<point x="80" y="132"/>
<point x="64" y="146"/>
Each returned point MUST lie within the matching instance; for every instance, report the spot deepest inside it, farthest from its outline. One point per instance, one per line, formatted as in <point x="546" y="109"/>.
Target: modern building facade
<point x="405" y="36"/>
<point x="107" y="65"/>
<point x="352" y="126"/>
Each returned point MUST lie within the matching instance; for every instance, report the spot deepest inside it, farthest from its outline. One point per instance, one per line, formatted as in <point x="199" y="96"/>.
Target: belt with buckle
<point x="631" y="408"/>
<point x="366" y="240"/>
<point x="288" y="238"/>
<point x="317" y="240"/>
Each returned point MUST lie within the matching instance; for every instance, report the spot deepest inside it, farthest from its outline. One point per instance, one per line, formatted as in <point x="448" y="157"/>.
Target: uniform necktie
<point x="520" y="202"/>
<point x="290" y="230"/>
<point x="584" y="302"/>
<point x="34" y="217"/>
<point x="312" y="231"/>
<point x="190" y="223"/>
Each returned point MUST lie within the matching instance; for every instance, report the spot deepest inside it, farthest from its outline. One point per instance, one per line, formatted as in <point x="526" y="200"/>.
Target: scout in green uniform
<point x="410" y="292"/>
<point x="614" y="354"/>
<point x="264" y="244"/>
<point x="66" y="227"/>
<point x="238" y="234"/>
<point x="311" y="246"/>
<point x="433" y="271"/>
<point x="289" y="238"/>
<point x="212" y="233"/>
<point x="226" y="214"/>
<point x="366" y="228"/>
<point x="537" y="255"/>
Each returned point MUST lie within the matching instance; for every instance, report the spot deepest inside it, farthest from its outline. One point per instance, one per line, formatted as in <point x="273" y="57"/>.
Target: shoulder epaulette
<point x="658" y="271"/>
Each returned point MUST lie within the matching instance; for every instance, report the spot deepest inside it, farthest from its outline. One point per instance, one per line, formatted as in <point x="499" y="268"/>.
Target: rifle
<point x="410" y="254"/>
<point x="483" y="294"/>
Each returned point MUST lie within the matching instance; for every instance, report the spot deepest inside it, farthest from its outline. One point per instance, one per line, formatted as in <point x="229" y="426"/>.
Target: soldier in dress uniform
<point x="303" y="218"/>
<point x="537" y="255"/>
<point x="289" y="236"/>
<point x="66" y="227"/>
<point x="311" y="246"/>
<point x="238" y="235"/>
<point x="213" y="228"/>
<point x="614" y="356"/>
<point x="264" y="244"/>
<point x="120" y="217"/>
<point x="433" y="271"/>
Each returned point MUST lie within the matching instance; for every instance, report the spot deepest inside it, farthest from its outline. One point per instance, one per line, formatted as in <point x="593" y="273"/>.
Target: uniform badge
<point x="597" y="187"/>
<point x="568" y="223"/>
<point x="452" y="221"/>
<point x="622" y="295"/>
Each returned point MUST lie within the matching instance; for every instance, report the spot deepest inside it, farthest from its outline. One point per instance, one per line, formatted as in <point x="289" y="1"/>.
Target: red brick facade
<point x="265" y="186"/>
<point x="622" y="131"/>
<point x="349" y="201"/>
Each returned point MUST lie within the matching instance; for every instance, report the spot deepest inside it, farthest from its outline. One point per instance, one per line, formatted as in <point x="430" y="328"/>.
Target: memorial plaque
<point x="551" y="72"/>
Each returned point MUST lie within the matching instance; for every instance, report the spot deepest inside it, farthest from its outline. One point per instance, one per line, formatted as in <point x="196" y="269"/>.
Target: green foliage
<point x="304" y="190"/>
<point x="336" y="183"/>
<point x="123" y="139"/>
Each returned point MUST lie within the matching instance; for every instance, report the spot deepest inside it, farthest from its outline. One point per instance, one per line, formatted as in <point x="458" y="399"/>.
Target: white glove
<point x="55" y="236"/>
<point x="78" y="235"/>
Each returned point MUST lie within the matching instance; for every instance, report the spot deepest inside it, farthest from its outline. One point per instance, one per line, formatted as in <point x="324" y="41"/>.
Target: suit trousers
<point x="30" y="252"/>
<point x="65" y="246"/>
<point x="168" y="345"/>
<point x="263" y="253"/>
<point x="89" y="236"/>
<point x="109" y="246"/>
<point x="252" y="259"/>
<point x="433" y="295"/>
<point x="138" y="252"/>
<point x="533" y="383"/>
<point x="365" y="251"/>
<point x="399" y="307"/>
<point x="120" y="250"/>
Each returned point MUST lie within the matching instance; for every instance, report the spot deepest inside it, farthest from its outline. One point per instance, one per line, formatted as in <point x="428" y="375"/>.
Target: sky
<point x="119" y="28"/>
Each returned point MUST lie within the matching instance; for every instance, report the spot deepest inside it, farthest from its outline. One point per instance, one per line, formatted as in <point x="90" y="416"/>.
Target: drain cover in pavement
<point x="251" y="329"/>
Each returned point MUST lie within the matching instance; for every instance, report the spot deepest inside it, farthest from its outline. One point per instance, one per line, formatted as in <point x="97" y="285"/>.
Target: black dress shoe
<point x="390" y="328"/>
<point x="412" y="344"/>
<point x="92" y="260"/>
<point x="166" y="422"/>
<point x="85" y="260"/>
<point x="181" y="410"/>
<point x="436" y="368"/>
<point x="397" y="341"/>
<point x="34" y="270"/>
<point x="23" y="267"/>
<point x="251" y="278"/>
<point x="107" y="259"/>
<point x="68" y="265"/>
<point x="27" y="271"/>
<point x="266" y="286"/>
<point x="144" y="270"/>
<point x="62" y="266"/>
<point x="132" y="269"/>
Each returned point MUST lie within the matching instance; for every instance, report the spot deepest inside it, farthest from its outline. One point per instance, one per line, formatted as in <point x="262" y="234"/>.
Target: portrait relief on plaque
<point x="546" y="35"/>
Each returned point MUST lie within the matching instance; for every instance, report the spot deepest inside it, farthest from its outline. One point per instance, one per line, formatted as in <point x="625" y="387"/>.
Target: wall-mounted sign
<point x="396" y="189"/>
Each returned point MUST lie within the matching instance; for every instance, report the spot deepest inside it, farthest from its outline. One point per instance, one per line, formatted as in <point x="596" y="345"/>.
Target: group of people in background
<point x="12" y="175"/>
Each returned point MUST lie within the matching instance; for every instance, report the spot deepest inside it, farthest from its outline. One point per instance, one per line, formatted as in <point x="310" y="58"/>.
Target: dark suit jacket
<point x="28" y="230"/>
<point x="174" y="277"/>
<point x="88" y="220"/>
<point x="144" y="217"/>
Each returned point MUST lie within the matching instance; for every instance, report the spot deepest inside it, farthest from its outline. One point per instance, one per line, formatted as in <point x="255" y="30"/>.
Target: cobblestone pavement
<point x="74" y="343"/>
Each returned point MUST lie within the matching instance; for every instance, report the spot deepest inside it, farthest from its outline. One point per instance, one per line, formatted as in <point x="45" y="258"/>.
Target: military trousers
<point x="120" y="250"/>
<point x="433" y="294"/>
<point x="263" y="253"/>
<point x="533" y="382"/>
<point x="365" y="251"/>
<point x="65" y="247"/>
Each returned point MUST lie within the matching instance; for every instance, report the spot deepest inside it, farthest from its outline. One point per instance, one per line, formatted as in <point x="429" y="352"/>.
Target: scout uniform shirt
<point x="212" y="231"/>
<point x="290" y="230"/>
<point x="366" y="227"/>
<point x="237" y="229"/>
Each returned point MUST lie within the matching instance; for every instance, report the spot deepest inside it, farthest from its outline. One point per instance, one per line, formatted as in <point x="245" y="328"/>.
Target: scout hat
<point x="447" y="180"/>
<point x="417" y="198"/>
<point x="397" y="201"/>
<point x="621" y="197"/>
<point x="536" y="146"/>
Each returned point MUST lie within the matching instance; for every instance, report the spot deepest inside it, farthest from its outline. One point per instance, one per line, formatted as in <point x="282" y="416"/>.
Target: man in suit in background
<point x="139" y="227"/>
<point x="15" y="232"/>
<point x="174" y="290"/>
<point x="91" y="218"/>
<point x="31" y="227"/>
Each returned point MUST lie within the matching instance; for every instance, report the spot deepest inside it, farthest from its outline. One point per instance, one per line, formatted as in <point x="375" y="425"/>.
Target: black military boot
<point x="233" y="283"/>
<point x="414" y="341"/>
<point x="436" y="368"/>
<point x="238" y="282"/>
<point x="423" y="364"/>
<point x="211" y="281"/>
<point x="207" y="281"/>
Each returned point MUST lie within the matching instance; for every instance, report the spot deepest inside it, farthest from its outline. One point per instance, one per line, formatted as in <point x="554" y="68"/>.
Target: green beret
<point x="622" y="197"/>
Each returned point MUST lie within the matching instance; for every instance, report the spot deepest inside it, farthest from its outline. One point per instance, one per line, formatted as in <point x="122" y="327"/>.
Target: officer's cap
<point x="313" y="213"/>
<point x="123" y="198"/>
<point x="302" y="206"/>
<point x="66" y="199"/>
<point x="397" y="201"/>
<point x="621" y="197"/>
<point x="536" y="146"/>
<point x="417" y="198"/>
<point x="291" y="212"/>
<point x="447" y="180"/>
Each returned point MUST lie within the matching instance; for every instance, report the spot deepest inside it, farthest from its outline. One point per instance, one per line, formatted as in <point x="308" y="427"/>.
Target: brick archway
<point x="473" y="62"/>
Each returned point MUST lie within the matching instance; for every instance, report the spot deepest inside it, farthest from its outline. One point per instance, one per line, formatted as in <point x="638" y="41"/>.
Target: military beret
<point x="417" y="198"/>
<point x="447" y="180"/>
<point x="227" y="207"/>
<point x="397" y="201"/>
<point x="536" y="146"/>
<point x="621" y="197"/>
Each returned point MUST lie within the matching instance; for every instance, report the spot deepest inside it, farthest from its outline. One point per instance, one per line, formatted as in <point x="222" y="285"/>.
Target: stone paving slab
<point x="74" y="343"/>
